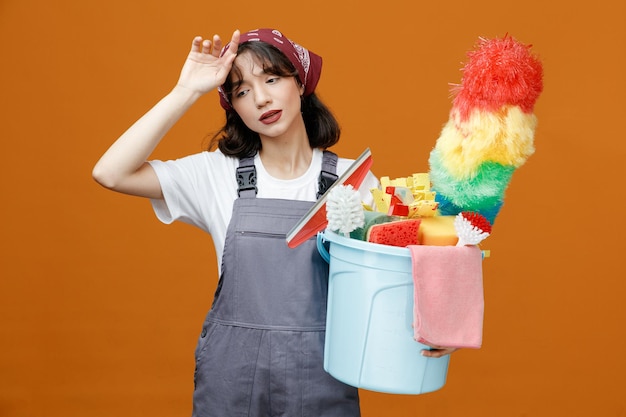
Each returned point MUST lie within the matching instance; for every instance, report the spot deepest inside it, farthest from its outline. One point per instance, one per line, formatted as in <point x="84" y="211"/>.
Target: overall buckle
<point x="246" y="179"/>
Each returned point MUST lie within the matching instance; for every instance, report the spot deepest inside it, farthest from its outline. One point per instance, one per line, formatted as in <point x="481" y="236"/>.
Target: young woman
<point x="260" y="351"/>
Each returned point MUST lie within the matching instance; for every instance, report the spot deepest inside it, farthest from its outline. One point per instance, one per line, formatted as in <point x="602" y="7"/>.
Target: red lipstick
<point x="270" y="116"/>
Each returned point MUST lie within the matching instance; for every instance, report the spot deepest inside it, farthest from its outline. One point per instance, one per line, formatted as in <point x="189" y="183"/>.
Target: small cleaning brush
<point x="471" y="228"/>
<point x="344" y="210"/>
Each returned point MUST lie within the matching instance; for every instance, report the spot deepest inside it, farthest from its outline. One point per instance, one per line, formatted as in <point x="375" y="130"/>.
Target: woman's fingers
<point x="205" y="46"/>
<point x="200" y="45"/>
<point x="234" y="42"/>
<point x="437" y="352"/>
<point x="196" y="44"/>
<point x="217" y="46"/>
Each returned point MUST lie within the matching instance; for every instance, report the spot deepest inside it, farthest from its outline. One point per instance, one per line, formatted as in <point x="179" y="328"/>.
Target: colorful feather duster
<point x="491" y="127"/>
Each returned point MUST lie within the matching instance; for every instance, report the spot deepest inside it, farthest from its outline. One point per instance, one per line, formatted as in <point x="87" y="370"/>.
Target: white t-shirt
<point x="200" y="189"/>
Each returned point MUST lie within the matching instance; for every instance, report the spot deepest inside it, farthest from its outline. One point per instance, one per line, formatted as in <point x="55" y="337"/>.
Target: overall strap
<point x="246" y="175"/>
<point x="328" y="176"/>
<point x="246" y="178"/>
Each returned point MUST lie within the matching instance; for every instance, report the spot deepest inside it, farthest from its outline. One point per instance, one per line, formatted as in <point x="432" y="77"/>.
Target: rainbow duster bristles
<point x="499" y="72"/>
<point x="490" y="131"/>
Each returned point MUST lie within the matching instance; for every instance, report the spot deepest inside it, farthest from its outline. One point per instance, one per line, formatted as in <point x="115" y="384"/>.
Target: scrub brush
<point x="471" y="228"/>
<point x="344" y="210"/>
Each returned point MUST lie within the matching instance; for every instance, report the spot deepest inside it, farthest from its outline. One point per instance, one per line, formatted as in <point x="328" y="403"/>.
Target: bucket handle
<point x="321" y="248"/>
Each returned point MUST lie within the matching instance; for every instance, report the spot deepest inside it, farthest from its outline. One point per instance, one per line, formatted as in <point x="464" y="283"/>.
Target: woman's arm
<point x="123" y="166"/>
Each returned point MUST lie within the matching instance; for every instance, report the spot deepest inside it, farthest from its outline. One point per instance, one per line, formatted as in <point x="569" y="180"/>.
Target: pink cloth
<point x="448" y="300"/>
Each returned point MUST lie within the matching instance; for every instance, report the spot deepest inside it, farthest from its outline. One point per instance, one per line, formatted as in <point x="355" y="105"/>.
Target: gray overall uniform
<point x="260" y="353"/>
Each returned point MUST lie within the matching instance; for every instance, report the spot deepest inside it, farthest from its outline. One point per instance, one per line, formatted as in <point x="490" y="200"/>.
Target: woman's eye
<point x="241" y="93"/>
<point x="273" y="80"/>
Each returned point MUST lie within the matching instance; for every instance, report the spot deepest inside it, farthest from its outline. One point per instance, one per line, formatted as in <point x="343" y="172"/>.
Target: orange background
<point x="100" y="304"/>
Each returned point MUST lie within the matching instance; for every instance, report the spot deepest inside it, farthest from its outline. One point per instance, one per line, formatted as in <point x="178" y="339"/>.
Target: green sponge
<point x="371" y="218"/>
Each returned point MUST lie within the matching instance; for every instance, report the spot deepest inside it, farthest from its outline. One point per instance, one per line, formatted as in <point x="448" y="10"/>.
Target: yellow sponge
<point x="382" y="200"/>
<point x="437" y="231"/>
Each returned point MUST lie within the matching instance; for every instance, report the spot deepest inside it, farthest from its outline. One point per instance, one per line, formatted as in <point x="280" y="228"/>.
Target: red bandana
<point x="308" y="64"/>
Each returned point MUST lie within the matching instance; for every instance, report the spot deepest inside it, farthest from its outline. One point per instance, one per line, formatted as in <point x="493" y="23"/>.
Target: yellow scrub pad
<point x="382" y="200"/>
<point x="437" y="231"/>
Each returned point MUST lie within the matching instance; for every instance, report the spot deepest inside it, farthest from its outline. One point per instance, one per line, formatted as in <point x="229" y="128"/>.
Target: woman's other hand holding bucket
<point x="437" y="351"/>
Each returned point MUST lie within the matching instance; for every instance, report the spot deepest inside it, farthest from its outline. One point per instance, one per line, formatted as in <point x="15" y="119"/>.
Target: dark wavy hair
<point x="236" y="139"/>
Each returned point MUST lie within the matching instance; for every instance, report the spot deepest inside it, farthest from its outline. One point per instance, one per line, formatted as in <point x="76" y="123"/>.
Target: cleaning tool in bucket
<point x="315" y="219"/>
<point x="344" y="211"/>
<point x="369" y="325"/>
<point x="490" y="130"/>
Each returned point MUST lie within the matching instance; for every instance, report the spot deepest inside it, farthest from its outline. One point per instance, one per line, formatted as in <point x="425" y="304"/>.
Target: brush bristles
<point x="469" y="228"/>
<point x="344" y="210"/>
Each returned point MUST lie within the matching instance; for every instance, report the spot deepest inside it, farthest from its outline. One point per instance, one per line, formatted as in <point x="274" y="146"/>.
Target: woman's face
<point x="268" y="104"/>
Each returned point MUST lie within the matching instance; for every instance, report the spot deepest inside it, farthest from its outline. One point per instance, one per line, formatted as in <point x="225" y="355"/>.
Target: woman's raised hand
<point x="204" y="69"/>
